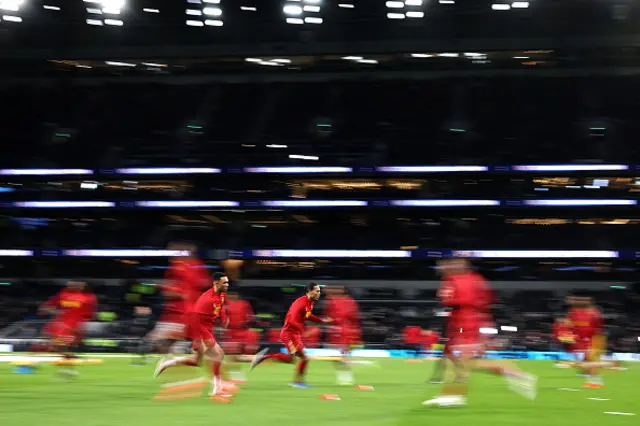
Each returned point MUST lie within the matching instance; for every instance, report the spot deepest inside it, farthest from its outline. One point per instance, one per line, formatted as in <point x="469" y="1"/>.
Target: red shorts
<point x="63" y="333"/>
<point x="292" y="341"/>
<point x="465" y="342"/>
<point x="201" y="334"/>
<point x="345" y="337"/>
<point x="234" y="340"/>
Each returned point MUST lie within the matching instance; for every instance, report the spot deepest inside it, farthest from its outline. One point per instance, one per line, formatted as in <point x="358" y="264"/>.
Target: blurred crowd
<point x="386" y="314"/>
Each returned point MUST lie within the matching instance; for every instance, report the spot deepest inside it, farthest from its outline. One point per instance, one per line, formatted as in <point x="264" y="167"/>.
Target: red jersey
<point x="72" y="306"/>
<point x="188" y="278"/>
<point x="240" y="313"/>
<point x="469" y="296"/>
<point x="209" y="307"/>
<point x="344" y="310"/>
<point x="586" y="322"/>
<point x="562" y="331"/>
<point x="298" y="313"/>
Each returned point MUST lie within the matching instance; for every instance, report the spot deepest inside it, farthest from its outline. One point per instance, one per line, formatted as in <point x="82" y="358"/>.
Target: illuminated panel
<point x="569" y="167"/>
<point x="431" y="169"/>
<point x="202" y="13"/>
<point x="405" y="9"/>
<point x="530" y="254"/>
<point x="125" y="253"/>
<point x="167" y="171"/>
<point x="332" y="253"/>
<point x="16" y="253"/>
<point x="577" y="202"/>
<point x="314" y="203"/>
<point x="10" y="10"/>
<point x="300" y="12"/>
<point x="45" y="172"/>
<point x="63" y="204"/>
<point x="444" y="203"/>
<point x="105" y="12"/>
<point x="186" y="204"/>
<point x="300" y="170"/>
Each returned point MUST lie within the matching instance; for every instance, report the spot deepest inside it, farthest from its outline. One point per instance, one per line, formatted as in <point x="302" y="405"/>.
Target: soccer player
<point x="185" y="281"/>
<point x="466" y="293"/>
<point x="207" y="310"/>
<point x="72" y="306"/>
<point x="588" y="327"/>
<point x="563" y="334"/>
<point x="240" y="316"/>
<point x="345" y="333"/>
<point x="291" y="334"/>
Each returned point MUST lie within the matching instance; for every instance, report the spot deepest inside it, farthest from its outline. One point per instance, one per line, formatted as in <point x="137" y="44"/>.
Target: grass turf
<point x="116" y="393"/>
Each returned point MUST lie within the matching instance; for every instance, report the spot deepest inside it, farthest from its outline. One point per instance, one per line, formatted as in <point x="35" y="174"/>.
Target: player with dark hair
<point x="202" y="317"/>
<point x="291" y="334"/>
<point x="73" y="306"/>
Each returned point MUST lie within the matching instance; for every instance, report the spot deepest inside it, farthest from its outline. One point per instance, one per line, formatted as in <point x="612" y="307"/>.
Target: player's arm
<point x="449" y="295"/>
<point x="50" y="305"/>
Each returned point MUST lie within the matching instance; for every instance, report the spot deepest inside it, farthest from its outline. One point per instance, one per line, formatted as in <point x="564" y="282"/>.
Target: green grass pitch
<point x="116" y="393"/>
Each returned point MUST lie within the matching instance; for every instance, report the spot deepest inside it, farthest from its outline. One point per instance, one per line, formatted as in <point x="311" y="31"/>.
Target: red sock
<point x="286" y="358"/>
<point x="302" y="367"/>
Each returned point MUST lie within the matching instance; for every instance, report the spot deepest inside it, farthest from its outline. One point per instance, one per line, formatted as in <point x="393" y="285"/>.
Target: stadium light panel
<point x="346" y="5"/>
<point x="96" y="22"/>
<point x="413" y="2"/>
<point x="11" y="5"/>
<point x="295" y="21"/>
<point x="313" y="20"/>
<point x="414" y="14"/>
<point x="292" y="10"/>
<point x="447" y="2"/>
<point x="249" y="8"/>
<point x="497" y="6"/>
<point x="421" y="55"/>
<point x="311" y="8"/>
<point x="193" y="12"/>
<point x="149" y="10"/>
<point x="48" y="7"/>
<point x="367" y="61"/>
<point x="114" y="22"/>
<point x="395" y="4"/>
<point x="213" y="11"/>
<point x="352" y="58"/>
<point x="520" y="5"/>
<point x="395" y="15"/>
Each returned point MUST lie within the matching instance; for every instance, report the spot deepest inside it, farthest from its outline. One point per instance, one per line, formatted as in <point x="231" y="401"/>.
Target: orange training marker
<point x="330" y="397"/>
<point x="363" y="387"/>
<point x="220" y="399"/>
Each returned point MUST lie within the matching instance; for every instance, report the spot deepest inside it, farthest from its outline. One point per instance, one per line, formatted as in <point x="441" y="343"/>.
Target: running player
<point x="72" y="307"/>
<point x="588" y="327"/>
<point x="237" y="335"/>
<point x="466" y="293"/>
<point x="291" y="334"/>
<point x="563" y="334"/>
<point x="185" y="281"/>
<point x="207" y="310"/>
<point x="345" y="333"/>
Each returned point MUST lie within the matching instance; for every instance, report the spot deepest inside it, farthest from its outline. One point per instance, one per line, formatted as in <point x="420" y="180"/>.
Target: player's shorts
<point x="292" y="341"/>
<point x="465" y="343"/>
<point x="345" y="338"/>
<point x="63" y="334"/>
<point x="201" y="336"/>
<point x="234" y="341"/>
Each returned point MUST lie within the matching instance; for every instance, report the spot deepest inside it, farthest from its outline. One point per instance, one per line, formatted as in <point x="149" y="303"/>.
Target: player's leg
<point x="437" y="376"/>
<point x="193" y="360"/>
<point x="288" y="341"/>
<point x="344" y="372"/>
<point x="519" y="381"/>
<point x="455" y="393"/>
<point x="234" y="348"/>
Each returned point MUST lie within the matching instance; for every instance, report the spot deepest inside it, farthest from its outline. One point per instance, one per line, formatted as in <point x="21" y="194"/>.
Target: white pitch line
<point x="569" y="389"/>
<point x="616" y="413"/>
<point x="599" y="399"/>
